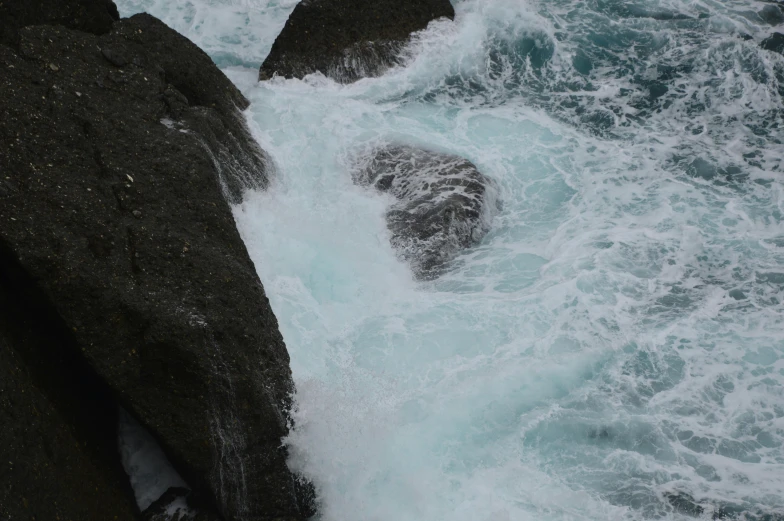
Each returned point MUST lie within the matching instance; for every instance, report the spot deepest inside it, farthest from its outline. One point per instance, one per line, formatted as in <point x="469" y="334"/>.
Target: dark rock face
<point x="348" y="39"/>
<point x="774" y="42"/>
<point x="92" y="16"/>
<point x="684" y="503"/>
<point x="444" y="204"/>
<point x="772" y="14"/>
<point x="57" y="418"/>
<point x="115" y="151"/>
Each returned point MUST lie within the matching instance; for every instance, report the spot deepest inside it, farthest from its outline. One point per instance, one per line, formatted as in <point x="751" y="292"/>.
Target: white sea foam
<point x="615" y="338"/>
<point x="149" y="470"/>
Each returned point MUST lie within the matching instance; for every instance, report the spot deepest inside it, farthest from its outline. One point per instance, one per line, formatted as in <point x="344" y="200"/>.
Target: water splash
<point x="615" y="340"/>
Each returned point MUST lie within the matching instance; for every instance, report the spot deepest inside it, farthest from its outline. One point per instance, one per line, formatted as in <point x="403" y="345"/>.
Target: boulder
<point x="443" y="205"/>
<point x="772" y="14"/>
<point x="119" y="152"/>
<point x="92" y="16"/>
<point x="58" y="448"/>
<point x="774" y="42"/>
<point x="685" y="504"/>
<point x="348" y="39"/>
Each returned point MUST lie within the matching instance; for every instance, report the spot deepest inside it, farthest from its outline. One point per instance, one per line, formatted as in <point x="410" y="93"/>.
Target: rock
<point x="92" y="16"/>
<point x="683" y="503"/>
<point x="165" y="312"/>
<point x="772" y="14"/>
<point x="774" y="42"/>
<point x="198" y="96"/>
<point x="737" y="294"/>
<point x="348" y="39"/>
<point x="113" y="57"/>
<point x="58" y="447"/>
<point x="444" y="204"/>
<point x="734" y="512"/>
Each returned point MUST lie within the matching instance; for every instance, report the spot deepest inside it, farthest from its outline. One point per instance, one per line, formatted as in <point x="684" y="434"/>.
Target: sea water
<point x="614" y="347"/>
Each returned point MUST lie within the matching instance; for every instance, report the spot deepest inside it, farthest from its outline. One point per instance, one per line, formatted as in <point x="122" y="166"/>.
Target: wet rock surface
<point x="348" y="39"/>
<point x="774" y="42"/>
<point x="685" y="504"/>
<point x="444" y="204"/>
<point x="120" y="150"/>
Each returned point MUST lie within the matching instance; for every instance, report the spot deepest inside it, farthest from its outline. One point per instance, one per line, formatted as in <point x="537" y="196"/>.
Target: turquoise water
<point x="616" y="338"/>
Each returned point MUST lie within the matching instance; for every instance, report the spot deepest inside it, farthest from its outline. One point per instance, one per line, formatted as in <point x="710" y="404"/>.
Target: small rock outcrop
<point x="772" y="14"/>
<point x="685" y="504"/>
<point x="774" y="42"/>
<point x="444" y="203"/>
<point x="120" y="147"/>
<point x="348" y="39"/>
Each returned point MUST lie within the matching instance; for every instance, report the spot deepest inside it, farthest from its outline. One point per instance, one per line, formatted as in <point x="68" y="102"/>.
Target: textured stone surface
<point x="774" y="42"/>
<point x="444" y="203"/>
<point x="115" y="149"/>
<point x="92" y="16"/>
<point x="58" y="449"/>
<point x="348" y="39"/>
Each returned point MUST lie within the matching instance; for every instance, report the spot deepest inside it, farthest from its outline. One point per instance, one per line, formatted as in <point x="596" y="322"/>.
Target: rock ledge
<point x="348" y="39"/>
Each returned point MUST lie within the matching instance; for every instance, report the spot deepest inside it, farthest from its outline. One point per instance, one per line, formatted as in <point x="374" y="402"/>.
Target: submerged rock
<point x="683" y="503"/>
<point x="772" y="14"/>
<point x="119" y="151"/>
<point x="444" y="204"/>
<point x="348" y="39"/>
<point x="774" y="42"/>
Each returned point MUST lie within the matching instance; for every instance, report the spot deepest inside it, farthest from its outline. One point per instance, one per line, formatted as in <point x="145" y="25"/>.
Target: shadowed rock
<point x="92" y="16"/>
<point x="58" y="443"/>
<point x="115" y="151"/>
<point x="774" y="42"/>
<point x="684" y="504"/>
<point x="772" y="14"/>
<point x="444" y="204"/>
<point x="348" y="39"/>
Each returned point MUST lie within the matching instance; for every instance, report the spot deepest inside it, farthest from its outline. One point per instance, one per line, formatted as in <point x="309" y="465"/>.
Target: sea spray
<point x="614" y="342"/>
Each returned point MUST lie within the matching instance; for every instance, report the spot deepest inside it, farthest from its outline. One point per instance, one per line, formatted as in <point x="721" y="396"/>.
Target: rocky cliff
<point x="121" y="143"/>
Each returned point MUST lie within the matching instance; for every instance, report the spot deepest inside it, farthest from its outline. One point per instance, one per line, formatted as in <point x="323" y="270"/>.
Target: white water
<point x="616" y="337"/>
<point x="148" y="468"/>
